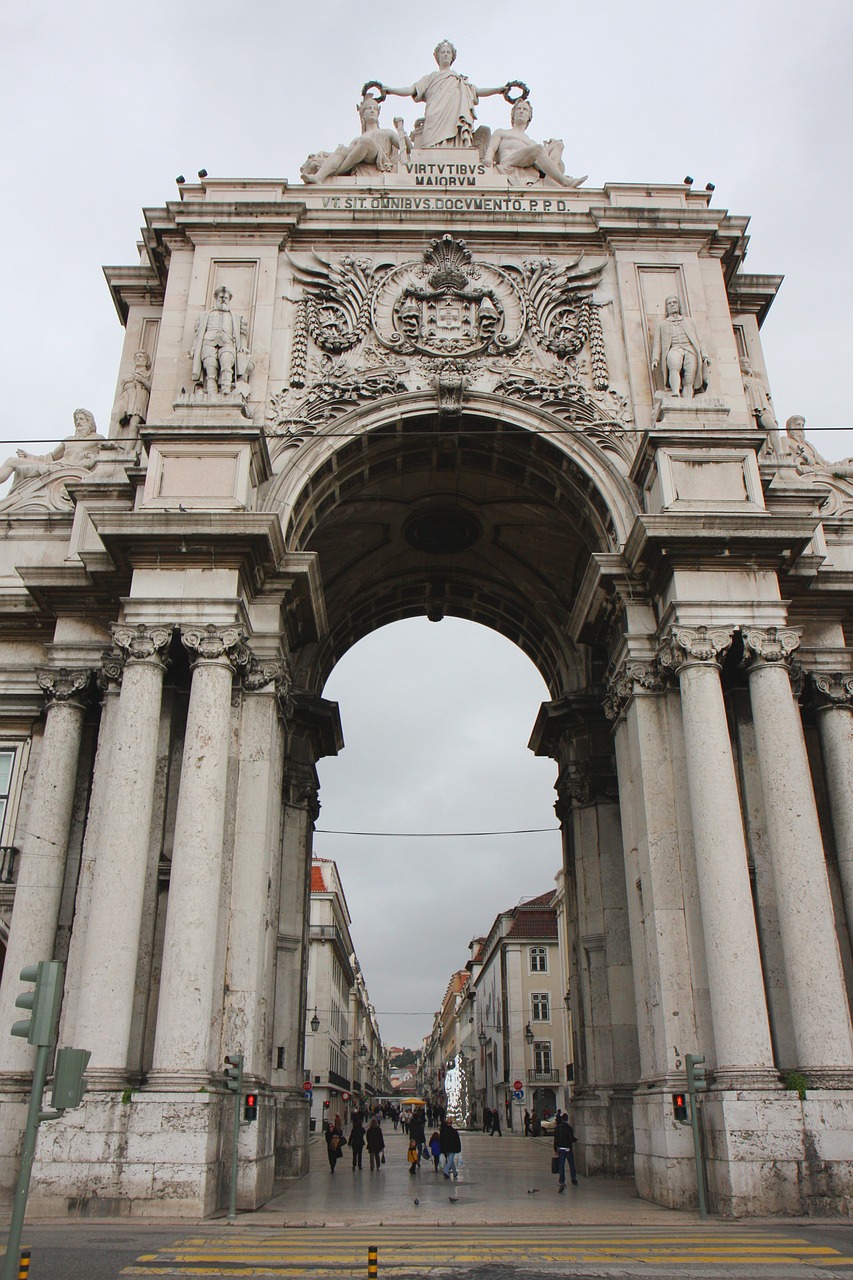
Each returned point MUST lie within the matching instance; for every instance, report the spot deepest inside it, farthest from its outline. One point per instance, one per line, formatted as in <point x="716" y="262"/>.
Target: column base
<point x="155" y="1154"/>
<point x="603" y="1125"/>
<point x="766" y="1152"/>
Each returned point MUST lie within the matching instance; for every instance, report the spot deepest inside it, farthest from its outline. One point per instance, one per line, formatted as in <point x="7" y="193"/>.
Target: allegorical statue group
<point x="449" y="120"/>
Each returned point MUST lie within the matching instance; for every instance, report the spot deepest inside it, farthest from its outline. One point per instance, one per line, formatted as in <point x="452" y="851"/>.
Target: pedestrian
<point x="564" y="1140"/>
<point x="356" y="1141"/>
<point x="413" y="1156"/>
<point x="405" y="1116"/>
<point x="451" y="1147"/>
<point x="487" y="1119"/>
<point x="375" y="1145"/>
<point x="395" y="1117"/>
<point x="417" y="1130"/>
<point x="435" y="1149"/>
<point x="496" y="1123"/>
<point x="528" y="1124"/>
<point x="334" y="1142"/>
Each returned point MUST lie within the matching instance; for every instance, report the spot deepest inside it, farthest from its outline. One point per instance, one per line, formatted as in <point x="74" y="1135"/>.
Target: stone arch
<point x="490" y="515"/>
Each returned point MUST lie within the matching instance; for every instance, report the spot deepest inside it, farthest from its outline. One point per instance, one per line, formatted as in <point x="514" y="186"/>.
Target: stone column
<point x="250" y="964"/>
<point x="190" y="974"/>
<point x="744" y="1056"/>
<point x="126" y="776"/>
<point x="38" y="891"/>
<point x="819" y="1010"/>
<point x="834" y="705"/>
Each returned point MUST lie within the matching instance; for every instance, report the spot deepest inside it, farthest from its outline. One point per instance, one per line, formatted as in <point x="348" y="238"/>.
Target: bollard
<point x="371" y="1262"/>
<point x="24" y="1265"/>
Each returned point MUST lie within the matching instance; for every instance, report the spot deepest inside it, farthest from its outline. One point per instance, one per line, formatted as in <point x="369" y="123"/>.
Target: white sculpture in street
<point x="220" y="350"/>
<point x="515" y="153"/>
<point x="678" y="351"/>
<point x="376" y="147"/>
<point x="449" y="100"/>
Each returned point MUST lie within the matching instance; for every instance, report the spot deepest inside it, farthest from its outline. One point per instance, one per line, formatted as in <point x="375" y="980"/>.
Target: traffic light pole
<point x="696" y="1084"/>
<point x="235" y="1149"/>
<point x="19" y="1205"/>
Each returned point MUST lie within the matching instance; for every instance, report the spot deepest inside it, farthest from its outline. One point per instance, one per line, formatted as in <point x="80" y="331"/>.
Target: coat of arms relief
<point x="366" y="329"/>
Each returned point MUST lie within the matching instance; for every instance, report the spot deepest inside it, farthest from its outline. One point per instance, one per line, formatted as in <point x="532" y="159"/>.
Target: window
<point x="540" y="1007"/>
<point x="7" y="761"/>
<point x="541" y="1056"/>
<point x="538" y="959"/>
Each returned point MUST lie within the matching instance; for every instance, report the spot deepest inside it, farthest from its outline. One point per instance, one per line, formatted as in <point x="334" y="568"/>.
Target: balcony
<point x="543" y="1077"/>
<point x="8" y="854"/>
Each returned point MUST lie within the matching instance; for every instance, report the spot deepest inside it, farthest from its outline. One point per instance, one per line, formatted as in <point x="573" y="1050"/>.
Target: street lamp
<point x="568" y="999"/>
<point x="315" y="1022"/>
<point x="528" y="1034"/>
<point x="482" y="1037"/>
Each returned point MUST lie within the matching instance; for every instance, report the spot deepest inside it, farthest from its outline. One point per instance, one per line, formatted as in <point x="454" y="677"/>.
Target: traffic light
<point x="250" y="1107"/>
<point x="44" y="1002"/>
<point x="326" y="1104"/>
<point x="679" y="1107"/>
<point x="697" y="1081"/>
<point x="234" y="1072"/>
<point x="68" y="1085"/>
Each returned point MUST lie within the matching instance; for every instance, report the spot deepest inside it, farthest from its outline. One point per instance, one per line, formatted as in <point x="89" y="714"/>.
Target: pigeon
<point x="531" y="1191"/>
<point x="417" y="1202"/>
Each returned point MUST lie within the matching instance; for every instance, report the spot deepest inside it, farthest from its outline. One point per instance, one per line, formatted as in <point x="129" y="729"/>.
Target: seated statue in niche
<point x="134" y="394"/>
<point x="77" y="452"/>
<point x="449" y="100"/>
<point x="375" y="147"/>
<point x="514" y="153"/>
<point x="679" y="353"/>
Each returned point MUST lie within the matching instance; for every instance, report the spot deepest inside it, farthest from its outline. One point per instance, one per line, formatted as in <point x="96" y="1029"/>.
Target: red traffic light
<point x="250" y="1107"/>
<point x="679" y="1106"/>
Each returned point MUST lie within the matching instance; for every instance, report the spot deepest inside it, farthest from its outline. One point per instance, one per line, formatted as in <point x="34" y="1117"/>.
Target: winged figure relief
<point x="561" y="313"/>
<point x="335" y="309"/>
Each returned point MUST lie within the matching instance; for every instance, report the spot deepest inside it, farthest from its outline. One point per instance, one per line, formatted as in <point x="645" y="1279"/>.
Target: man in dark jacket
<point x="451" y="1147"/>
<point x="564" y="1141"/>
<point x="417" y="1130"/>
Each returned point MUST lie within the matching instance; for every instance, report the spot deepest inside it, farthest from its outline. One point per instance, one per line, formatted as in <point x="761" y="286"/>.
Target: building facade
<point x="433" y="379"/>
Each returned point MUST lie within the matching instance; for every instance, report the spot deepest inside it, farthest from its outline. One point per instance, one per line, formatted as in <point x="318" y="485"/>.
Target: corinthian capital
<point x="61" y="684"/>
<point x="687" y="645"/>
<point x="632" y="677"/>
<point x="768" y="644"/>
<point x="142" y="642"/>
<point x="833" y="689"/>
<point x="212" y="643"/>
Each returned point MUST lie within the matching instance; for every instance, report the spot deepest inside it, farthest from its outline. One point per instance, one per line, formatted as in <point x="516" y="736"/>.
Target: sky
<point x="104" y="104"/>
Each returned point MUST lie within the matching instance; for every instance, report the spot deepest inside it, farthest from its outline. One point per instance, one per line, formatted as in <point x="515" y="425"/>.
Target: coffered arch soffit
<point x="490" y="515"/>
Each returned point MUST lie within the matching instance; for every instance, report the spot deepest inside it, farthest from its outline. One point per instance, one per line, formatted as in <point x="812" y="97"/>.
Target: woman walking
<point x="356" y="1141"/>
<point x="451" y="1147"/>
<point x="375" y="1144"/>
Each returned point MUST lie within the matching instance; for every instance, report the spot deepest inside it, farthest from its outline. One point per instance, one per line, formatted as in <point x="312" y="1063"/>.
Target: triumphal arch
<point x="439" y="375"/>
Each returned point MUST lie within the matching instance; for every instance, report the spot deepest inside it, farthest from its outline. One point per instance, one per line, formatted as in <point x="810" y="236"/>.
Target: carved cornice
<point x="769" y="645"/>
<point x="686" y="646"/>
<point x="215" y="644"/>
<point x="632" y="677"/>
<point x="62" y="684"/>
<point x="273" y="675"/>
<point x="832" y="689"/>
<point x="142" y="643"/>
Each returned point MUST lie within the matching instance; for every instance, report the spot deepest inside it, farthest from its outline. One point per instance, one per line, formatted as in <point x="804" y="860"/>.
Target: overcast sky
<point x="105" y="103"/>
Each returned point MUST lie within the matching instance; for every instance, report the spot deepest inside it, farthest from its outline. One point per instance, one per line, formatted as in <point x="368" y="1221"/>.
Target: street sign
<point x="345" y="1097"/>
<point x="518" y="1095"/>
<point x="307" y="1086"/>
<point x="516" y="1084"/>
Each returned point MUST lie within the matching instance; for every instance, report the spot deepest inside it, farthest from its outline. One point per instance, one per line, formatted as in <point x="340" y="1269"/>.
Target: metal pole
<point x="235" y="1144"/>
<point x="372" y="1255"/>
<point x="11" y="1263"/>
<point x="697" y="1155"/>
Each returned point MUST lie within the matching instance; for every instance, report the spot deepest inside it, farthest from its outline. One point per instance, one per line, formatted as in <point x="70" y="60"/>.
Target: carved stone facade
<point x="439" y="377"/>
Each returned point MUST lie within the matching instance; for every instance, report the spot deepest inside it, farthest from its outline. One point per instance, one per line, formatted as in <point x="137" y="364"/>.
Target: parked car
<point x="548" y="1124"/>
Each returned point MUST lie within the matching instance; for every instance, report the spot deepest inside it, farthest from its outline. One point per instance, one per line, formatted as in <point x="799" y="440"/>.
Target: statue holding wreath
<point x="449" y="100"/>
